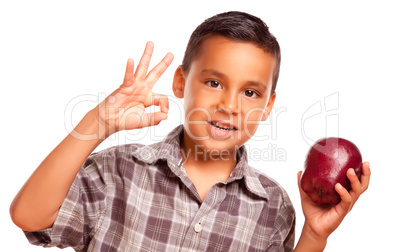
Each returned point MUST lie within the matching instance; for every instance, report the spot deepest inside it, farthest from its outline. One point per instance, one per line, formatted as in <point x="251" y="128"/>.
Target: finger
<point x="128" y="76"/>
<point x="346" y="200"/>
<point x="354" y="182"/>
<point x="160" y="100"/>
<point x="159" y="69"/>
<point x="365" y="178"/>
<point x="143" y="65"/>
<point x="152" y="119"/>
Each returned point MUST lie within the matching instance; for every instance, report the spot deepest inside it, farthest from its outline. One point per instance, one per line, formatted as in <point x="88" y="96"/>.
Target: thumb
<point x="298" y="179"/>
<point x="160" y="100"/>
<point x="154" y="118"/>
<point x="303" y="194"/>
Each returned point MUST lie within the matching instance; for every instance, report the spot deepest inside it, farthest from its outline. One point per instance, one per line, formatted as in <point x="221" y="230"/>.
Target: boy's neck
<point x="196" y="157"/>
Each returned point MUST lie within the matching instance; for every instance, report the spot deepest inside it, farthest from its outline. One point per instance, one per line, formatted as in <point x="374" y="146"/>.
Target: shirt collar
<point x="169" y="149"/>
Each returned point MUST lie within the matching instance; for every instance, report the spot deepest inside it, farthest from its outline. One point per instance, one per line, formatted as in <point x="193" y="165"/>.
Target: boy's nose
<point x="229" y="103"/>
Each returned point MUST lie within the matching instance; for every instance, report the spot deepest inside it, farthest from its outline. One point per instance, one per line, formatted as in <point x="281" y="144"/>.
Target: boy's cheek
<point x="253" y="117"/>
<point x="251" y="128"/>
<point x="197" y="116"/>
<point x="252" y="121"/>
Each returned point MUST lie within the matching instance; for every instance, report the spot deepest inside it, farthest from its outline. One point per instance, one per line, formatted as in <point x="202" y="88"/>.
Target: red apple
<point x="326" y="165"/>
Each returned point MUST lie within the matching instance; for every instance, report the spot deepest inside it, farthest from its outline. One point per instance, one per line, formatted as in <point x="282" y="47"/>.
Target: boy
<point x="194" y="191"/>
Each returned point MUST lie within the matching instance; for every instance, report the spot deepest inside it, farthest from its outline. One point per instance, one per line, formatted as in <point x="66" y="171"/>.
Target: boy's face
<point x="226" y="94"/>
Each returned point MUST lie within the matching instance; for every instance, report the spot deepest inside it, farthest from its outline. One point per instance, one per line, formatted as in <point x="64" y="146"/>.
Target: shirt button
<point x="197" y="227"/>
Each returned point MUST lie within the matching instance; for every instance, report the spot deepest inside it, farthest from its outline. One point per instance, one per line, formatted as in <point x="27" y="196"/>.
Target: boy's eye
<point x="250" y="93"/>
<point x="213" y="83"/>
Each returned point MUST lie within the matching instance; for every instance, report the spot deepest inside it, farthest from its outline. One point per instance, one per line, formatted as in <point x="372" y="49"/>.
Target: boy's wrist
<point x="89" y="128"/>
<point x="310" y="241"/>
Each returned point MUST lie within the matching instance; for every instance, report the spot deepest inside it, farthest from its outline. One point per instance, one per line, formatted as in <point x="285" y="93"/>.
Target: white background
<point x="57" y="58"/>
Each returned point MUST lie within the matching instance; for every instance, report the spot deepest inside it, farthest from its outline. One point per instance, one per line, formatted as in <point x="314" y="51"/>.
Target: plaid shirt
<point x="139" y="198"/>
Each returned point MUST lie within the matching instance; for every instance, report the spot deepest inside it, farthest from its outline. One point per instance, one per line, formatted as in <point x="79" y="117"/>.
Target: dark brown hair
<point x="237" y="26"/>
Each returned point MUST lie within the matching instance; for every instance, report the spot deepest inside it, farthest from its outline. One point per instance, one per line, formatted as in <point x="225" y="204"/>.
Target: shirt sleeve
<point x="284" y="238"/>
<point x="289" y="242"/>
<point x="80" y="213"/>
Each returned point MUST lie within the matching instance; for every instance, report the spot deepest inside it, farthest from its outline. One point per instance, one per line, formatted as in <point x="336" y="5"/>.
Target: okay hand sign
<point x="124" y="109"/>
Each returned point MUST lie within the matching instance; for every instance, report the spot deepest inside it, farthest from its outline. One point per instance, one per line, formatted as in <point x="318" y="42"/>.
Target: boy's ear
<point x="269" y="107"/>
<point x="178" y="82"/>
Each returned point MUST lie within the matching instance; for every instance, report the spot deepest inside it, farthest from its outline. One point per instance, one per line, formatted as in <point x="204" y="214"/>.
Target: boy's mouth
<point x="222" y="125"/>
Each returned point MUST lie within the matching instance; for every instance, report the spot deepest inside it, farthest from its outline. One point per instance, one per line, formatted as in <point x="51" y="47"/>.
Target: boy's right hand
<point x="37" y="204"/>
<point x="124" y="109"/>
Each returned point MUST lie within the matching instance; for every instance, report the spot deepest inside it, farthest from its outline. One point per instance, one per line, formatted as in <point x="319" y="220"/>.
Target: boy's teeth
<point x="221" y="126"/>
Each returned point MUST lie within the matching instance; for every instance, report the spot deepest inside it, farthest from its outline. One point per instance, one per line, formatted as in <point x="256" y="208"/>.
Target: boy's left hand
<point x="322" y="221"/>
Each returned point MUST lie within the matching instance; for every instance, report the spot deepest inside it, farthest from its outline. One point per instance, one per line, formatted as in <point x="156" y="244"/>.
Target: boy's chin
<point x="204" y="141"/>
<point x="219" y="147"/>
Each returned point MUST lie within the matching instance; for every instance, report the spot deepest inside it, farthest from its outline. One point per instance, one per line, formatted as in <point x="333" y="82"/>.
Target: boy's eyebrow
<point x="222" y="75"/>
<point x="257" y="84"/>
<point x="213" y="72"/>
